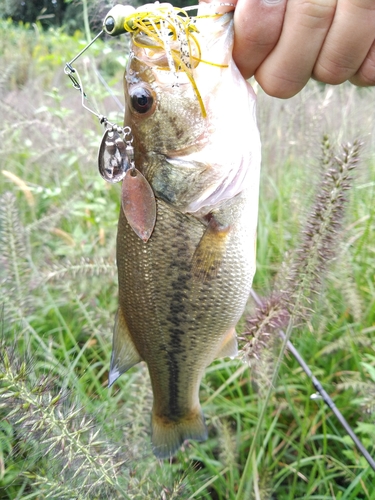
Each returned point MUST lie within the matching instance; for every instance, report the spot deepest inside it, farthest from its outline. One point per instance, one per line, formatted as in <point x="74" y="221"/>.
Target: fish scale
<point x="182" y="291"/>
<point x="177" y="322"/>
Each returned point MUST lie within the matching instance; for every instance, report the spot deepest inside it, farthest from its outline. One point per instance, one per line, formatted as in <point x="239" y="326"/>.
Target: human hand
<point x="284" y="43"/>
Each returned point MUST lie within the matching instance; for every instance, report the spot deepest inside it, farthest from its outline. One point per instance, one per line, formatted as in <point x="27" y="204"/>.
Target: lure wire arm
<point x="77" y="84"/>
<point x="69" y="70"/>
<point x="69" y="64"/>
<point x="76" y="80"/>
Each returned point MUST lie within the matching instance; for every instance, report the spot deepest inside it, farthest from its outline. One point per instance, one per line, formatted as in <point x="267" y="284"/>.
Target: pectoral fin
<point x="124" y="352"/>
<point x="209" y="253"/>
<point x="229" y="347"/>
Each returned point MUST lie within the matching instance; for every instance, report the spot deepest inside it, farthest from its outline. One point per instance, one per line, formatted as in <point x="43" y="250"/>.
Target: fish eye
<point x="141" y="99"/>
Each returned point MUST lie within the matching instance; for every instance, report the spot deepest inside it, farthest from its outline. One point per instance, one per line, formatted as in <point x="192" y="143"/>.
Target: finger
<point x="348" y="41"/>
<point x="365" y="76"/>
<point x="257" y="27"/>
<point x="289" y="66"/>
<point x="220" y="7"/>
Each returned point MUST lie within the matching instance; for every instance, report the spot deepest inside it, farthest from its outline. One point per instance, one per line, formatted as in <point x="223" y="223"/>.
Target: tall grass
<point x="63" y="433"/>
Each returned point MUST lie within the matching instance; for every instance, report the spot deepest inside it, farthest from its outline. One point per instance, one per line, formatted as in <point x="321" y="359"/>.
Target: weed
<point x="58" y="300"/>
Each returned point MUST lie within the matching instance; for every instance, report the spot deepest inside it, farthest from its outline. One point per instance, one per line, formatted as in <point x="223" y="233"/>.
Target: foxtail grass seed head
<point x="15" y="270"/>
<point x="269" y="316"/>
<point x="319" y="244"/>
<point x="48" y="423"/>
<point x="321" y="233"/>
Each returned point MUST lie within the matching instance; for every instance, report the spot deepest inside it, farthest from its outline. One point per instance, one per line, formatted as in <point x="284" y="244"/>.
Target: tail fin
<point x="168" y="435"/>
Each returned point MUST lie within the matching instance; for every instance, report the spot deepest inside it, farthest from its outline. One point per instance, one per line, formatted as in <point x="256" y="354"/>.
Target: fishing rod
<point x="325" y="396"/>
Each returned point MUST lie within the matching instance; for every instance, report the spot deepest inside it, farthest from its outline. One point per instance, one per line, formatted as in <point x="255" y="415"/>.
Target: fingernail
<point x="273" y="2"/>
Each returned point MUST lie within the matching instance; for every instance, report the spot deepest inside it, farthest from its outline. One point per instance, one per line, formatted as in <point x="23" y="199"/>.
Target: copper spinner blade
<point x="138" y="203"/>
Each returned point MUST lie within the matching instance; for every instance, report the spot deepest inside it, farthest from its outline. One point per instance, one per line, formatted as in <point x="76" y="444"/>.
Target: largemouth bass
<point x="196" y="143"/>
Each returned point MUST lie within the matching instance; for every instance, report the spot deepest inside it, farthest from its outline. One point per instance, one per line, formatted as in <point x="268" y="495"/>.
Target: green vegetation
<point x="63" y="434"/>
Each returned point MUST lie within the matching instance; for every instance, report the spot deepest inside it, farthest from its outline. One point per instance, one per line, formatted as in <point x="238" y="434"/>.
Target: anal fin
<point x="124" y="352"/>
<point x="209" y="253"/>
<point x="228" y="347"/>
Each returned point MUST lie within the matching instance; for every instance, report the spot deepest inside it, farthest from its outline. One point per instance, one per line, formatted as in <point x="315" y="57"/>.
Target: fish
<point x="197" y="152"/>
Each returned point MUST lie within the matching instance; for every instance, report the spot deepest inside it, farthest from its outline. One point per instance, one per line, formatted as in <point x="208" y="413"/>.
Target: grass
<point x="63" y="434"/>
